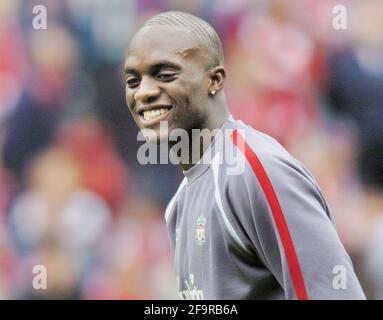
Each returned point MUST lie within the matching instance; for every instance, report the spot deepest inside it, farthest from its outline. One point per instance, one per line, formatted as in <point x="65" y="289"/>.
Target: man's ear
<point x="217" y="79"/>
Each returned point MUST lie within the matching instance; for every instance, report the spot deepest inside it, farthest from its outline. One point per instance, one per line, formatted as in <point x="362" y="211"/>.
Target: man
<point x="263" y="232"/>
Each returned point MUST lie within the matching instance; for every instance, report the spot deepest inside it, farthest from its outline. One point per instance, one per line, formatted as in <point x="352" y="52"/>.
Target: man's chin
<point x="158" y="134"/>
<point x="157" y="138"/>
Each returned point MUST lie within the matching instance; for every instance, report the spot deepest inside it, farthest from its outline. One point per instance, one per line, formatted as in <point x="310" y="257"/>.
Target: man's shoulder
<point x="265" y="163"/>
<point x="258" y="142"/>
<point x="254" y="149"/>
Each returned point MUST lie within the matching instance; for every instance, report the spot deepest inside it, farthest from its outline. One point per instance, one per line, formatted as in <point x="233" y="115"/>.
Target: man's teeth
<point x="154" y="113"/>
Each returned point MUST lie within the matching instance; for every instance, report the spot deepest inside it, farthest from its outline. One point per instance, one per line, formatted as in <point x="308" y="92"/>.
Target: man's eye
<point x="133" y="82"/>
<point x="166" y="76"/>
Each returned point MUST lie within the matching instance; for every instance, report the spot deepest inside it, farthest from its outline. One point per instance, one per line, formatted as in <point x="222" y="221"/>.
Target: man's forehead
<point x="162" y="38"/>
<point x="163" y="41"/>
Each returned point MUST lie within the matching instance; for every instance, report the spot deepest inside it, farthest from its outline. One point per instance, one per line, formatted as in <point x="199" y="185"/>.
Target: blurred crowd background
<point x="73" y="197"/>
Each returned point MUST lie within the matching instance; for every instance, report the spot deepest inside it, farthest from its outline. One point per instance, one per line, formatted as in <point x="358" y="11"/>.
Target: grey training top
<point x="255" y="225"/>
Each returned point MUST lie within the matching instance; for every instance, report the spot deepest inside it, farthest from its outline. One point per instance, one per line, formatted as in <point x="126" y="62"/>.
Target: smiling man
<point x="264" y="232"/>
<point x="187" y="62"/>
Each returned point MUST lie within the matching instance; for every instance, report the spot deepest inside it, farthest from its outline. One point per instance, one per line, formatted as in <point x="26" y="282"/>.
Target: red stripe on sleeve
<point x="279" y="219"/>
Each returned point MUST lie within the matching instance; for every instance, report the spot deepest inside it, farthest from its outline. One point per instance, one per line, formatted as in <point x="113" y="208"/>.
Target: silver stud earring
<point x="212" y="92"/>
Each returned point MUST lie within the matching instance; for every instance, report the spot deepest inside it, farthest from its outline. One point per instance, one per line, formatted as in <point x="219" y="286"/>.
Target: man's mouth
<point x="152" y="115"/>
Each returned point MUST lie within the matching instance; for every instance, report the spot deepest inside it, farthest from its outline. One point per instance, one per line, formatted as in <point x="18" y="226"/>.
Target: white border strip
<point x="171" y="203"/>
<point x="230" y="229"/>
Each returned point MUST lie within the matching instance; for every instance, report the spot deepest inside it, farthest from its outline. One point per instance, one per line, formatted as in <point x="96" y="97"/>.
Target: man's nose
<point x="147" y="92"/>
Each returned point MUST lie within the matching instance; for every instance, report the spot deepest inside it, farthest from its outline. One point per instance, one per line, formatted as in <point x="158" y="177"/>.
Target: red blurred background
<point x="73" y="197"/>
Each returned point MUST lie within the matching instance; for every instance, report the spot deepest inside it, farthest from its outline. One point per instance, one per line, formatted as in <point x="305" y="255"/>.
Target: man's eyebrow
<point x="154" y="68"/>
<point x="165" y="65"/>
<point x="128" y="70"/>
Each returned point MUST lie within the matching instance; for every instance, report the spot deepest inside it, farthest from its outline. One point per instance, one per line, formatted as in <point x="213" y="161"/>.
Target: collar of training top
<point x="216" y="146"/>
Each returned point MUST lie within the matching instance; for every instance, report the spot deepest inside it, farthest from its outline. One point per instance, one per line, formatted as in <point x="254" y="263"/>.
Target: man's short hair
<point x="202" y="30"/>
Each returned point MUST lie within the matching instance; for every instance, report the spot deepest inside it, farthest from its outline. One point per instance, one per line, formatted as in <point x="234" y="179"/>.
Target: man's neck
<point x="201" y="142"/>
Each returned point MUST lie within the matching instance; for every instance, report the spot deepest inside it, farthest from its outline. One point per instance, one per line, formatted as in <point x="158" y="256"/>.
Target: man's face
<point x="166" y="80"/>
